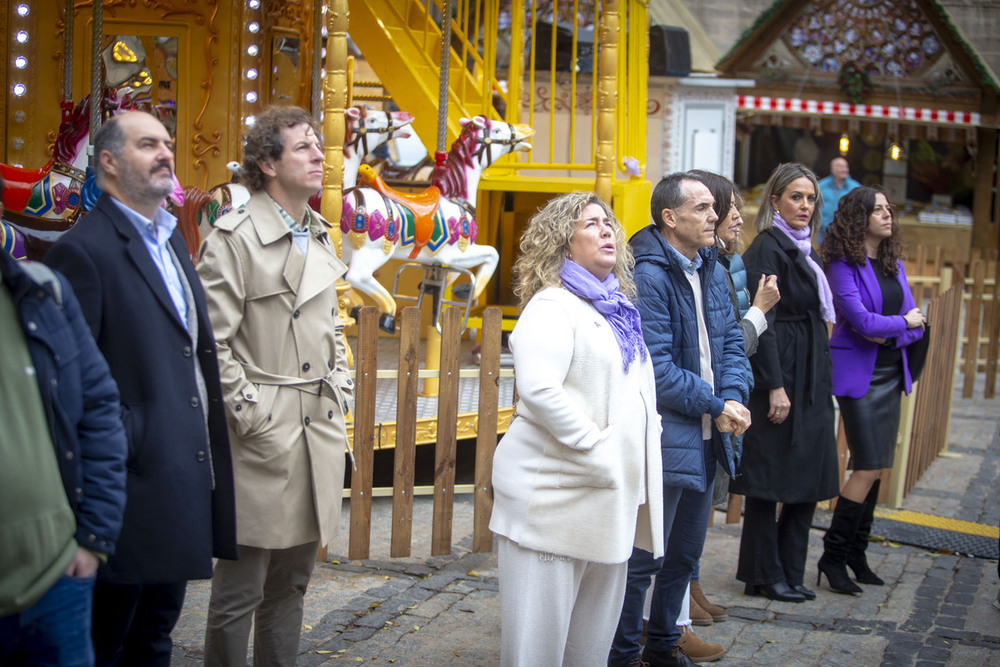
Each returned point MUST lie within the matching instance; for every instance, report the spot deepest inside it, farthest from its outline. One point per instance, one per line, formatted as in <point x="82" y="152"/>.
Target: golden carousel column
<point x="607" y="97"/>
<point x="335" y="93"/>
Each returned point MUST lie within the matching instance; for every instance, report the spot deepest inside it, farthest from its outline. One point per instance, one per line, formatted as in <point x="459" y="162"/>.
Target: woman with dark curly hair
<point x="876" y="320"/>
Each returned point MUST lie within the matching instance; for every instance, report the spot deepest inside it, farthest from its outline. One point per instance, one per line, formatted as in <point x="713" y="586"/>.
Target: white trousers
<point x="556" y="610"/>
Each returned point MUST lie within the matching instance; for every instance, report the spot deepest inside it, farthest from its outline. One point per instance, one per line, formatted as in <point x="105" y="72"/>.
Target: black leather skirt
<point x="872" y="421"/>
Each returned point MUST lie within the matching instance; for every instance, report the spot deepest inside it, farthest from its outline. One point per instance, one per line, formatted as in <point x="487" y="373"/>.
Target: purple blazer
<point x="858" y="301"/>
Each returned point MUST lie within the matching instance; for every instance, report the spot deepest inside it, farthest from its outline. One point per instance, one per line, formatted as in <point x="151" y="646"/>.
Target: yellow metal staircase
<point x="401" y="41"/>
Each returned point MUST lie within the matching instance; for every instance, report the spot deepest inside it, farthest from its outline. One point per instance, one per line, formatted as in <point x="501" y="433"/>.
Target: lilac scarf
<point x="611" y="303"/>
<point x="801" y="239"/>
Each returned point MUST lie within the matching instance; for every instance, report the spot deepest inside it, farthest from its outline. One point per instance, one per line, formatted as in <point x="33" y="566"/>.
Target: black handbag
<point x="916" y="353"/>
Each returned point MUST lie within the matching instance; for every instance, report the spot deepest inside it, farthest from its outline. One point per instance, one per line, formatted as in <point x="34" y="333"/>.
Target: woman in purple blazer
<point x="876" y="320"/>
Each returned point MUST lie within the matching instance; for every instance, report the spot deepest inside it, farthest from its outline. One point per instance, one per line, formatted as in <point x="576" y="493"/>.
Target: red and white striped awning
<point x="873" y="111"/>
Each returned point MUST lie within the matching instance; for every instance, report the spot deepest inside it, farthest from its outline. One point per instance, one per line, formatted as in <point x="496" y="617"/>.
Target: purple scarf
<point x="802" y="240"/>
<point x="611" y="303"/>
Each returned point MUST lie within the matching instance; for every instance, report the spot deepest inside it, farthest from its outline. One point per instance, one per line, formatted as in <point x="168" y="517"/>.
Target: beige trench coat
<point x="284" y="372"/>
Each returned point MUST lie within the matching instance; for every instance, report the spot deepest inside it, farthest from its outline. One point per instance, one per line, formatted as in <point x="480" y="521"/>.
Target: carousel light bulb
<point x="322" y="52"/>
<point x="22" y="10"/>
<point x="20" y="89"/>
<point x="251" y="96"/>
<point x="250" y="120"/>
<point x="252" y="50"/>
<point x="895" y="151"/>
<point x="253" y="26"/>
<point x="845" y="144"/>
<point x="20" y="62"/>
<point x="324" y="32"/>
<point x="251" y="73"/>
<point x="21" y="37"/>
<point x="253" y="4"/>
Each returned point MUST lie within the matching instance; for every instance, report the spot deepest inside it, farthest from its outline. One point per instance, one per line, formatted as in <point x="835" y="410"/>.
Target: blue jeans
<point x="53" y="631"/>
<point x="685" y="524"/>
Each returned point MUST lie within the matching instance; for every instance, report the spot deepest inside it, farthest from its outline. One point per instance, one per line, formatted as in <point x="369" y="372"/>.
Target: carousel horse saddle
<point x="422" y="205"/>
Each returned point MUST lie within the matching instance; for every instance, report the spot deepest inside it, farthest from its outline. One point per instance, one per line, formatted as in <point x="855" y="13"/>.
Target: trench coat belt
<point x="321" y="386"/>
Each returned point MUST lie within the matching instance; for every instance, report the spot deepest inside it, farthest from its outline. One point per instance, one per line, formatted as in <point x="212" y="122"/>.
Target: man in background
<point x="832" y="188"/>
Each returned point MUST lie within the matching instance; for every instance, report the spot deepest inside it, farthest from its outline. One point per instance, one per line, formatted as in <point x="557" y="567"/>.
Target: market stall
<point x="896" y="90"/>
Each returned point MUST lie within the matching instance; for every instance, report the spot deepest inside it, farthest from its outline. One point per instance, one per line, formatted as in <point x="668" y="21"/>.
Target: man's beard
<point x="144" y="189"/>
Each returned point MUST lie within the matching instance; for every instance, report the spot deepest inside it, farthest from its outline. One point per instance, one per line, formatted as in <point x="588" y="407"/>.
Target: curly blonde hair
<point x="545" y="243"/>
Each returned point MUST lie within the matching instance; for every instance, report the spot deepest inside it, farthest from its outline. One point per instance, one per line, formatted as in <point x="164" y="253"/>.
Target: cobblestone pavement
<point x="423" y="611"/>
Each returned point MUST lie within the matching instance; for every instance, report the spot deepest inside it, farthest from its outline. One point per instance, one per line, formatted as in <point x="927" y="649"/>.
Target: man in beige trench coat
<point x="269" y="270"/>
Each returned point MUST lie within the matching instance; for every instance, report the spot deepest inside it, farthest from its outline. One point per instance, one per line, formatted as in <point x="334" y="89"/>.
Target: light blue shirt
<point x="690" y="266"/>
<point x="831" y="198"/>
<point x="154" y="234"/>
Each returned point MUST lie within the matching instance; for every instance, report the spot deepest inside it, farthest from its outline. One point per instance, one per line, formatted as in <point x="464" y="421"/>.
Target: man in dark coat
<point x="696" y="346"/>
<point x="146" y="310"/>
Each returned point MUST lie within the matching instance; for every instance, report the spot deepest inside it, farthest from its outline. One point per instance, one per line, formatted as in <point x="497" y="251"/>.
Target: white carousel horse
<point x="43" y="203"/>
<point x="366" y="129"/>
<point x="435" y="227"/>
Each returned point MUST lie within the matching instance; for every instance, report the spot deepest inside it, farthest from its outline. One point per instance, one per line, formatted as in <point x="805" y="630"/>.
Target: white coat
<point x="578" y="472"/>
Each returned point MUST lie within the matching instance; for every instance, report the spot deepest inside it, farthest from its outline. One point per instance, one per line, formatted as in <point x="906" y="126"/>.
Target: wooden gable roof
<point x="905" y="54"/>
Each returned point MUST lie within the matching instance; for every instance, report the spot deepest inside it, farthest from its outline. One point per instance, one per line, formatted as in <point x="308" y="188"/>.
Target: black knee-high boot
<point x="836" y="542"/>
<point x="856" y="559"/>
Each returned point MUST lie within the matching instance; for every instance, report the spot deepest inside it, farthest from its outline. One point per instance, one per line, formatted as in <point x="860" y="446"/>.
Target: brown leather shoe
<point x="698" y="649"/>
<point x="698" y="615"/>
<point x="717" y="613"/>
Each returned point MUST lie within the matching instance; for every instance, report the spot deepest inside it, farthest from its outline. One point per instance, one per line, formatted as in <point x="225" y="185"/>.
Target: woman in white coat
<point x="577" y="477"/>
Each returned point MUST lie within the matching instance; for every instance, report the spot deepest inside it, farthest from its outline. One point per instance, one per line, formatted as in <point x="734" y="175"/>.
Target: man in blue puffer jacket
<point x="62" y="468"/>
<point x="697" y="350"/>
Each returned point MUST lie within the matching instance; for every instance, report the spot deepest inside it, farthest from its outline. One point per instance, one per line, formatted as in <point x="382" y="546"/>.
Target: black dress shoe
<point x="675" y="657"/>
<point x="808" y="594"/>
<point x="778" y="591"/>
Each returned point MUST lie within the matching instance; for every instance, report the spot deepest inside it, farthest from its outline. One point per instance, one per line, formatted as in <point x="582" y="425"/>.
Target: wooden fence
<point x="980" y="324"/>
<point x="404" y="451"/>
<point x="981" y="333"/>
<point x="924" y="427"/>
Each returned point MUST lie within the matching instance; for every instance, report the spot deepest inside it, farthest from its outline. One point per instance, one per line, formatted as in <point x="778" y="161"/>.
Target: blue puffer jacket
<point x="738" y="272"/>
<point x="670" y="328"/>
<point x="81" y="405"/>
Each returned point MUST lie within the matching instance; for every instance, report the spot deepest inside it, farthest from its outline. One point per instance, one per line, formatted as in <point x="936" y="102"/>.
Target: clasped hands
<point x="735" y="418"/>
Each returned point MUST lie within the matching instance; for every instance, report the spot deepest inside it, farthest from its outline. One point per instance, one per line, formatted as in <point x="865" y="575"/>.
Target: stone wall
<point x="979" y="20"/>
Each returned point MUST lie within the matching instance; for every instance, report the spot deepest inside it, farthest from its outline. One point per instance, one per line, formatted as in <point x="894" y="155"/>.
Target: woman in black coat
<point x="790" y="453"/>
